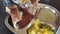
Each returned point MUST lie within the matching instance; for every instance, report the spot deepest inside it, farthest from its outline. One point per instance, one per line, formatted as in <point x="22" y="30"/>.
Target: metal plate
<point x="23" y="30"/>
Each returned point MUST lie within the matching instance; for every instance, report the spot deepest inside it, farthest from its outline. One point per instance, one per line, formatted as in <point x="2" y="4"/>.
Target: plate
<point x="23" y="30"/>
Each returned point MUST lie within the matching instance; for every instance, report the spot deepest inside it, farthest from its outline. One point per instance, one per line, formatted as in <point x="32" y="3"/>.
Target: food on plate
<point x="20" y="16"/>
<point x="24" y="1"/>
<point x="47" y="15"/>
<point x="34" y="2"/>
<point x="39" y="28"/>
<point x="14" y="13"/>
<point x="26" y="18"/>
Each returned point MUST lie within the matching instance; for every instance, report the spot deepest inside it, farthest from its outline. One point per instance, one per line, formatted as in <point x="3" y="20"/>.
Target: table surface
<point x="5" y="30"/>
